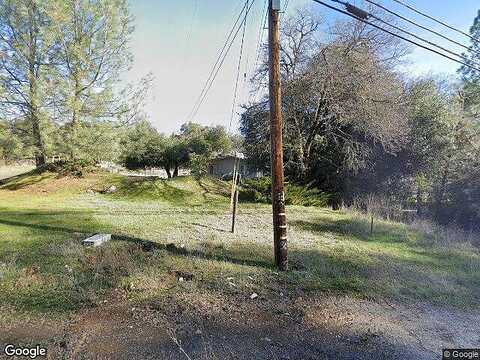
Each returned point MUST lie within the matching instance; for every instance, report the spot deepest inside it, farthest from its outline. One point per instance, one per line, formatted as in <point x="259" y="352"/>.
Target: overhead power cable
<point x="238" y="68"/>
<point x="261" y="33"/>
<point x="220" y="60"/>
<point x="285" y="8"/>
<point x="418" y="25"/>
<point x="217" y="62"/>
<point x="369" y="15"/>
<point x="360" y="15"/>
<point x="436" y="20"/>
<point x="189" y="33"/>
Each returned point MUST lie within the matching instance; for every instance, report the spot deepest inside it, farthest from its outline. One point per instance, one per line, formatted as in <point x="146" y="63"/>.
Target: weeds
<point x="43" y="267"/>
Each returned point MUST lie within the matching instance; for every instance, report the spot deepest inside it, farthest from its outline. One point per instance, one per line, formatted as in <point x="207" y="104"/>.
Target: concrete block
<point x="97" y="239"/>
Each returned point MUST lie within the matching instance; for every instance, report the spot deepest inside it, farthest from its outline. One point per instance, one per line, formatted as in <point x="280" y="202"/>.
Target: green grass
<point x="44" y="269"/>
<point x="182" y="192"/>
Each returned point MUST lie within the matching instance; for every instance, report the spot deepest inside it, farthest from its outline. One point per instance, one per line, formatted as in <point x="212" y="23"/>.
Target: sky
<point x="178" y="42"/>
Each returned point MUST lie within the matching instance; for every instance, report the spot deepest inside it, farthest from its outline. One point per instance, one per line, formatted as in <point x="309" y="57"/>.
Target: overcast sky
<point x="178" y="41"/>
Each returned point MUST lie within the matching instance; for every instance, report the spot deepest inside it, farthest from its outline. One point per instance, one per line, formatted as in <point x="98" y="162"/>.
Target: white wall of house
<point x="224" y="166"/>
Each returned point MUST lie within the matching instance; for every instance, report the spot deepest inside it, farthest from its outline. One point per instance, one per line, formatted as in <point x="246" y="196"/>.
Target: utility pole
<point x="276" y="138"/>
<point x="235" y="202"/>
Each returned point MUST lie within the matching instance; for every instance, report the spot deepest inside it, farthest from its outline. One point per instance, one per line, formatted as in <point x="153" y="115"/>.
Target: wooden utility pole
<point x="235" y="202"/>
<point x="234" y="177"/>
<point x="276" y="126"/>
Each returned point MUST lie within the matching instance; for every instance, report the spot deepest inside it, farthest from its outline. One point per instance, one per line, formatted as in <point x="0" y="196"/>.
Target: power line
<point x="218" y="63"/>
<point x="199" y="100"/>
<point x="393" y="34"/>
<point x="370" y="15"/>
<point x="189" y="33"/>
<point x="238" y="68"/>
<point x="285" y="8"/>
<point x="436" y="20"/>
<point x="418" y="25"/>
<point x="261" y="33"/>
<point x="209" y="86"/>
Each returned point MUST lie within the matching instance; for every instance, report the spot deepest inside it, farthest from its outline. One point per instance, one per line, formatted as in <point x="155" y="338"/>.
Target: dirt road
<point x="183" y="326"/>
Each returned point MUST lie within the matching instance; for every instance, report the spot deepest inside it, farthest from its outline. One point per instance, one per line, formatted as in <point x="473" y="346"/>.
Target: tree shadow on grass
<point x="213" y="186"/>
<point x="313" y="269"/>
<point x="212" y="228"/>
<point x="42" y="265"/>
<point x="24" y="180"/>
<point x="358" y="228"/>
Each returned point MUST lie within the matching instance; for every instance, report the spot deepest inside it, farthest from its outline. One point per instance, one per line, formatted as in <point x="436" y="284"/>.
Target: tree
<point x="197" y="145"/>
<point x="10" y="145"/>
<point x="199" y="165"/>
<point x="340" y="99"/>
<point x="135" y="144"/>
<point x="145" y="147"/>
<point x="437" y="168"/>
<point x="92" y="53"/>
<point x="471" y="77"/>
<point x="25" y="51"/>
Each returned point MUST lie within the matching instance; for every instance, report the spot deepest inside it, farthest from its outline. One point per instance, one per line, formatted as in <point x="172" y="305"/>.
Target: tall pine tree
<point x="471" y="77"/>
<point x="25" y="50"/>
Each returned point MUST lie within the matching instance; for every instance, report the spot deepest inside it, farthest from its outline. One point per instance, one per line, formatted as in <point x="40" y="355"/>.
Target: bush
<point x="199" y="165"/>
<point x="259" y="190"/>
<point x="75" y="168"/>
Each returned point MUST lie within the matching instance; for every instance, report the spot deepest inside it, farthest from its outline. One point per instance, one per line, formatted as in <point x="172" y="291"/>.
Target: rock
<point x="112" y="189"/>
<point x="254" y="296"/>
<point x="187" y="276"/>
<point x="97" y="240"/>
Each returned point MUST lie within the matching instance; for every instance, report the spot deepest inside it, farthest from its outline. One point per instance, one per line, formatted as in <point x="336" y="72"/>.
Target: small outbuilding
<point x="222" y="166"/>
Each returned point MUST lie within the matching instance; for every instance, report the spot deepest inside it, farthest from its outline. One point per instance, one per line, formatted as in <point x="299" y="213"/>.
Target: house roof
<point x="232" y="155"/>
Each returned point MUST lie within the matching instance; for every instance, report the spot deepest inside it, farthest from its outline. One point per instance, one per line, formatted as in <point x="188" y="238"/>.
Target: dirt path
<point x="185" y="326"/>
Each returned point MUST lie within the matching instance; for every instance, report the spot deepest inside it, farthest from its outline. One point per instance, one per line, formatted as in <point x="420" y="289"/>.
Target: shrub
<point x="259" y="190"/>
<point x="71" y="167"/>
<point x="199" y="165"/>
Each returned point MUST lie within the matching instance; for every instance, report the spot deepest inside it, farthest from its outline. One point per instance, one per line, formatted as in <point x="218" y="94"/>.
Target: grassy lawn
<point x="45" y="270"/>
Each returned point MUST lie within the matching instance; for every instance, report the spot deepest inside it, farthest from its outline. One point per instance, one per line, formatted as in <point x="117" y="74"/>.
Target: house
<point x="222" y="166"/>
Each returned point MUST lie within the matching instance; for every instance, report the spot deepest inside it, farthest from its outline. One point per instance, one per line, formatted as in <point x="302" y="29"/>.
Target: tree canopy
<point x="145" y="147"/>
